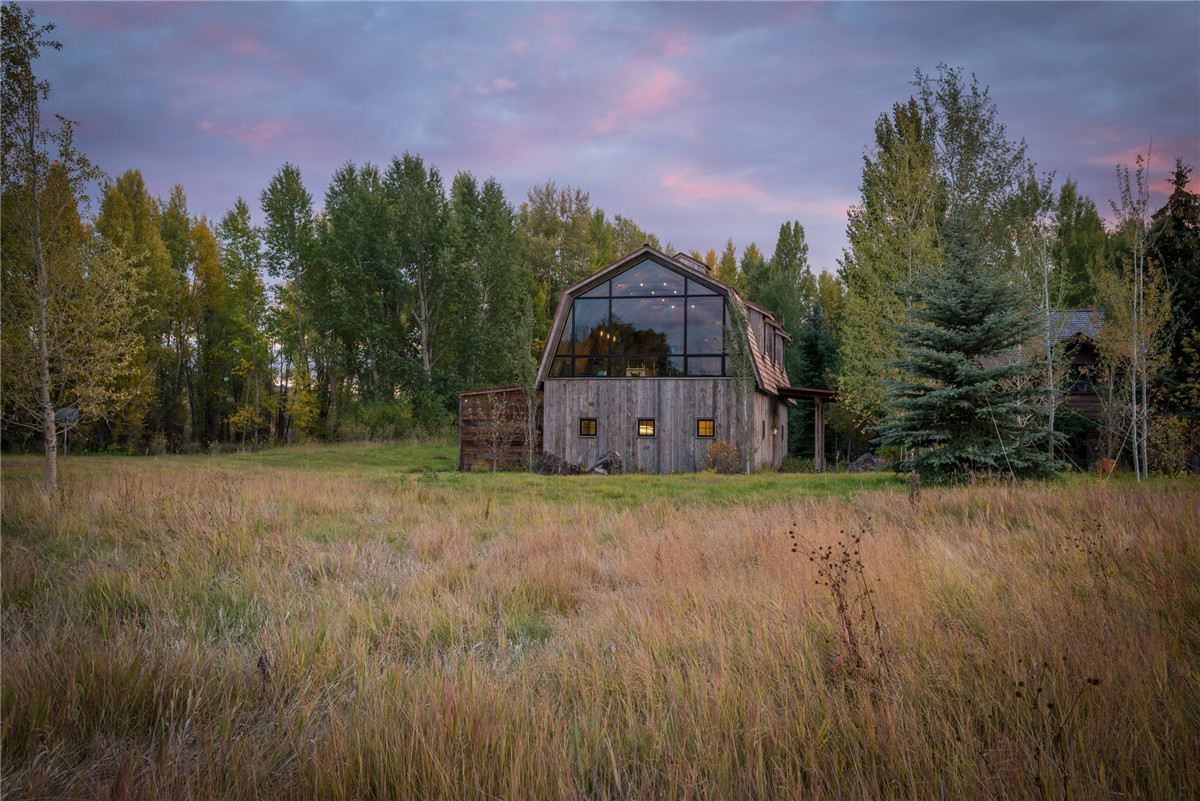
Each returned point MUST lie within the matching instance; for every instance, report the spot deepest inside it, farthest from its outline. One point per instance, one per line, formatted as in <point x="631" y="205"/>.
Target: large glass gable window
<point x="647" y="321"/>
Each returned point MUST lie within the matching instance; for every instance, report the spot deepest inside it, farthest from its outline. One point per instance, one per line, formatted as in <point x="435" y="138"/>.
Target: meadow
<point x="364" y="622"/>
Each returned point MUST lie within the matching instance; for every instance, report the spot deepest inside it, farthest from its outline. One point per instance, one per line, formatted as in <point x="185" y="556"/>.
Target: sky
<point x="702" y="122"/>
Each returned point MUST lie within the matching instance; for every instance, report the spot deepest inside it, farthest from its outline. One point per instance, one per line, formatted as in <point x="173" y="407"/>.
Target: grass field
<point x="363" y="622"/>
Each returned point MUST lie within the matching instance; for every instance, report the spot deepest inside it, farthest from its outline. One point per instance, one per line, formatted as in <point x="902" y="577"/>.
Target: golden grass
<point x="270" y="633"/>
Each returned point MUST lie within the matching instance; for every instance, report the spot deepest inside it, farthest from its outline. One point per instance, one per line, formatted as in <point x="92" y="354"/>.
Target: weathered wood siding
<point x="770" y="430"/>
<point x="675" y="404"/>
<point x="493" y="428"/>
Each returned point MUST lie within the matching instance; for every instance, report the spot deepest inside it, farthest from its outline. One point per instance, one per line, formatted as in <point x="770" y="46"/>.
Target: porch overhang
<point x="819" y="397"/>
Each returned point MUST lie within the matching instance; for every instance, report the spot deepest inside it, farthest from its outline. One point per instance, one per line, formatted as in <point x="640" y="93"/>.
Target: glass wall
<point x="647" y="321"/>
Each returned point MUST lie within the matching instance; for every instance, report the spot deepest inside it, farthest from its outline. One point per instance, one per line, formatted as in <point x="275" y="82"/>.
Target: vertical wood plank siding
<point x="674" y="403"/>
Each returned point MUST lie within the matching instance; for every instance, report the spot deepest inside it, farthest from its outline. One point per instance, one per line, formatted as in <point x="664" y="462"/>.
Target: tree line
<point x="140" y="327"/>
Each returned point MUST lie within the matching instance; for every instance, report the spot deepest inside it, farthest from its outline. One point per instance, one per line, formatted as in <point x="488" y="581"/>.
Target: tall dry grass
<point x="275" y="634"/>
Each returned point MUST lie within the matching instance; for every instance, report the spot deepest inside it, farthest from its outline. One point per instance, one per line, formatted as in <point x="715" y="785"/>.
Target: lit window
<point x="645" y="426"/>
<point x="587" y="426"/>
<point x="647" y="322"/>
<point x="706" y="427"/>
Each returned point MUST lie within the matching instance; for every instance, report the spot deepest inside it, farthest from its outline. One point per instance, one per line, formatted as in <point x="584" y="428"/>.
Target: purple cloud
<point x="702" y="122"/>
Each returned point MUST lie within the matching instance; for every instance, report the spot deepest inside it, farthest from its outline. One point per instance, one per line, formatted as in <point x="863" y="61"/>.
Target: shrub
<point x="724" y="457"/>
<point x="157" y="445"/>
<point x="378" y="419"/>
<point x="431" y="413"/>
<point x="793" y="464"/>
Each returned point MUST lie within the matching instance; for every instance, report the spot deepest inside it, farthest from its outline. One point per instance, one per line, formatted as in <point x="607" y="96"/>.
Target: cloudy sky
<point x="701" y="121"/>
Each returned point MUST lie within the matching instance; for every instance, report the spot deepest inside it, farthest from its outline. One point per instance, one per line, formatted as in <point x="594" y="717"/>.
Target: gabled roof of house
<point x="1070" y="323"/>
<point x="768" y="376"/>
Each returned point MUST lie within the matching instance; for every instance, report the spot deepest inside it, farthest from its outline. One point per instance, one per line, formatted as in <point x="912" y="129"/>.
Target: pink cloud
<point x="676" y="47"/>
<point x="1161" y="165"/>
<point x="229" y="39"/>
<point x="1110" y="133"/>
<point x="504" y="84"/>
<point x="258" y="137"/>
<point x="247" y="46"/>
<point x="689" y="186"/>
<point x="1162" y="156"/>
<point x="658" y="91"/>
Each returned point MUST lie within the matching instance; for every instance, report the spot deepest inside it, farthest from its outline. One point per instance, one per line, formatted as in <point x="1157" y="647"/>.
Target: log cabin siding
<point x="494" y="426"/>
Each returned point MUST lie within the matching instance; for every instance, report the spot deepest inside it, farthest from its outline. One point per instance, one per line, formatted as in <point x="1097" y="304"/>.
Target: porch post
<point x="819" y="435"/>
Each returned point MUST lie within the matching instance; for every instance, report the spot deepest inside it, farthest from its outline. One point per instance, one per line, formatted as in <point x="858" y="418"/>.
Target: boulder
<point x="867" y="463"/>
<point x="608" y="463"/>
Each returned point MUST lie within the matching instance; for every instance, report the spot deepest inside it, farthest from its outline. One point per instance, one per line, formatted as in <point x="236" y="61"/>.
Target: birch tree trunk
<point x="49" y="431"/>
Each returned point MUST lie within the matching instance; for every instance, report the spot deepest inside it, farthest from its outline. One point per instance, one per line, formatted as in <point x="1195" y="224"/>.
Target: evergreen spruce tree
<point x="968" y="403"/>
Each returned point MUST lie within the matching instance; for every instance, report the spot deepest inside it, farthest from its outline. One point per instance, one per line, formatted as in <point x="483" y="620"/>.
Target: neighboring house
<point x="1078" y="331"/>
<point x="641" y="360"/>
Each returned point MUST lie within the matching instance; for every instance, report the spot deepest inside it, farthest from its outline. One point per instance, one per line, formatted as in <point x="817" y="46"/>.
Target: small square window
<point x="706" y="427"/>
<point x="645" y="426"/>
<point x="587" y="426"/>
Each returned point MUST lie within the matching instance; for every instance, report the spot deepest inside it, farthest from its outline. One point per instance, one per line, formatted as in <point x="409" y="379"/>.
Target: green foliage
<point x="785" y="284"/>
<point x="129" y="221"/>
<point x="1079" y="246"/>
<point x="360" y="294"/>
<point x="215" y="334"/>
<point x="492" y="338"/>
<point x="288" y="238"/>
<point x="812" y="360"/>
<point x="431" y="412"/>
<point x="69" y="305"/>
<point x="557" y="227"/>
<point x="1175" y="238"/>
<point x="251" y="375"/>
<point x="727" y="267"/>
<point x="941" y="159"/>
<point x="963" y="407"/>
<point x="378" y="419"/>
<point x="418" y="217"/>
<point x="893" y="239"/>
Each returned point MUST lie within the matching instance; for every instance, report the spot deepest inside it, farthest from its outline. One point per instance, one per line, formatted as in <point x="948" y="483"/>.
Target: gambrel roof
<point x="769" y="376"/>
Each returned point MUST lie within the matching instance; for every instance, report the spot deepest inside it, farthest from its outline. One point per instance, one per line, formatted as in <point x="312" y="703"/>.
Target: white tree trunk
<point x="50" y="434"/>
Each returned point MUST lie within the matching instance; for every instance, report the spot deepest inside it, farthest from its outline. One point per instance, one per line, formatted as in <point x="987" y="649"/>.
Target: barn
<point x="654" y="359"/>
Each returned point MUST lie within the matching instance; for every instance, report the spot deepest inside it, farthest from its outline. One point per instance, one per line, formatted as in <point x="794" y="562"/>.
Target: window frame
<point x="595" y="427"/>
<point x="712" y="427"/>
<point x="644" y="425"/>
<point x="569" y="360"/>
